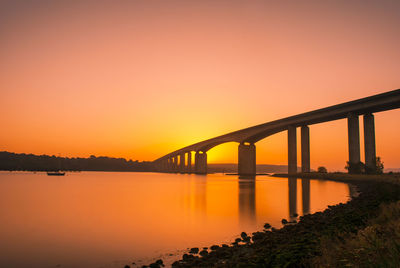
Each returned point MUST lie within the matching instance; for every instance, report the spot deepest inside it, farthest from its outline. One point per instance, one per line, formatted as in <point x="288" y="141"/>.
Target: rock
<point x="203" y="253"/>
<point x="257" y="236"/>
<point x="127" y="266"/>
<point x="295" y="214"/>
<point x="237" y="240"/>
<point x="267" y="226"/>
<point x="243" y="235"/>
<point x="194" y="250"/>
<point x="224" y="246"/>
<point x="187" y="257"/>
<point x="214" y="247"/>
<point x="284" y="221"/>
<point x="160" y="262"/>
<point x="175" y="264"/>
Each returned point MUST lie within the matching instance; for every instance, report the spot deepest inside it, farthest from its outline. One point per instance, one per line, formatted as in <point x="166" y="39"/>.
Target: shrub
<point x="322" y="170"/>
<point x="377" y="168"/>
<point x="355" y="168"/>
<point x="377" y="245"/>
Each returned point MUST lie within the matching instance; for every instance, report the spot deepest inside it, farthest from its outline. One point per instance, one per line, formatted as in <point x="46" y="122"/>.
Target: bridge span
<point x="181" y="160"/>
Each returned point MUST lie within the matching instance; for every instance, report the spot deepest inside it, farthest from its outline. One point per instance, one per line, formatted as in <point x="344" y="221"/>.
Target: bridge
<point x="181" y="160"/>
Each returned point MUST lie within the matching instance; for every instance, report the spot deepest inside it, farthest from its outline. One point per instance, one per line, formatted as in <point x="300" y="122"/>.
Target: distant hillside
<point x="232" y="168"/>
<point x="31" y="162"/>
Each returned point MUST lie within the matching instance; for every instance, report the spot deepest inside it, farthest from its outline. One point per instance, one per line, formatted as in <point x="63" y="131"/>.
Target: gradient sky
<point x="138" y="79"/>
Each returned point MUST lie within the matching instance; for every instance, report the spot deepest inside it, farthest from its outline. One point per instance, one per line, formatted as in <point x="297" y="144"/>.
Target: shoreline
<point x="302" y="243"/>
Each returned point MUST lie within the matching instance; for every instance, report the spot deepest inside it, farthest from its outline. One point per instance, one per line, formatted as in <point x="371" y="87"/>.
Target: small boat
<point x="55" y="173"/>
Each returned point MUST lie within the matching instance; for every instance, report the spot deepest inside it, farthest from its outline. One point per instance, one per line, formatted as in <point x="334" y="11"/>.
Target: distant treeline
<point x="31" y="162"/>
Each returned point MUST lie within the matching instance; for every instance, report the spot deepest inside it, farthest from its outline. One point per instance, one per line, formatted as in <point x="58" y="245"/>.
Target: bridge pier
<point x="292" y="150"/>
<point x="170" y="165"/>
<point x="163" y="165"/>
<point x="305" y="149"/>
<point x="189" y="162"/>
<point x="354" y="143"/>
<point x="369" y="142"/>
<point x="157" y="166"/>
<point x="176" y="164"/>
<point x="247" y="159"/>
<point x="182" y="163"/>
<point x="201" y="162"/>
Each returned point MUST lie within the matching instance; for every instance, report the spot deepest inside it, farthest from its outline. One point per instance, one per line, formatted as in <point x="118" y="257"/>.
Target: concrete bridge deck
<point x="248" y="136"/>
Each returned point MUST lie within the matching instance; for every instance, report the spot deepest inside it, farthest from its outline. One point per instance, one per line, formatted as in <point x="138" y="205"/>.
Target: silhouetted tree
<point x="322" y="170"/>
<point x="362" y="168"/>
<point x="377" y="168"/>
<point x="355" y="168"/>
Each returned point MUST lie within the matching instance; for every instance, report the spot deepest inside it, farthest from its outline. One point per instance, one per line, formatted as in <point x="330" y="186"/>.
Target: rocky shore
<point x="303" y="243"/>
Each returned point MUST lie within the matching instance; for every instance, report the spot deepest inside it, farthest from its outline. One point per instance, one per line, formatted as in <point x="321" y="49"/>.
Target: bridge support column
<point x="182" y="163"/>
<point x="369" y="143"/>
<point x="156" y="166"/>
<point x="170" y="165"/>
<point x="201" y="162"/>
<point x="247" y="159"/>
<point x="189" y="162"/>
<point x="176" y="167"/>
<point x="163" y="166"/>
<point x="354" y="143"/>
<point x="292" y="150"/>
<point x="305" y="149"/>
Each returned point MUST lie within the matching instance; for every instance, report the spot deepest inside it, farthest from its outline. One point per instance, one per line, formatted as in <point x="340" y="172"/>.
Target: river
<point x="110" y="219"/>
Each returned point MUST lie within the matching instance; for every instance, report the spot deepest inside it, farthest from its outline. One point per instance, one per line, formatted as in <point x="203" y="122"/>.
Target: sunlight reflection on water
<point x="109" y="219"/>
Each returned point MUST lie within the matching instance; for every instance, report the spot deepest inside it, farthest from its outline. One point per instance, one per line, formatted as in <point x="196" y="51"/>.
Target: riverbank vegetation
<point x="376" y="245"/>
<point x="30" y="162"/>
<point x="361" y="233"/>
<point x="361" y="168"/>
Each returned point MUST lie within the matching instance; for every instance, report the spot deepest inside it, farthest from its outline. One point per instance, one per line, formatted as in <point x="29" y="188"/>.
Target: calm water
<point x="109" y="219"/>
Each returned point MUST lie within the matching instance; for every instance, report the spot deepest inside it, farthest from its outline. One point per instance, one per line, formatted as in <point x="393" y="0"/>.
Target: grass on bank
<point x="377" y="245"/>
<point x="345" y="177"/>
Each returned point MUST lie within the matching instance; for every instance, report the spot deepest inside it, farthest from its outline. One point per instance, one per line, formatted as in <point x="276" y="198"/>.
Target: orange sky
<point x="140" y="79"/>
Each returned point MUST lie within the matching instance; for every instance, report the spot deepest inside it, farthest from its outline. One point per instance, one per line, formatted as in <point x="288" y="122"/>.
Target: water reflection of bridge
<point x="201" y="196"/>
<point x="247" y="197"/>
<point x="305" y="194"/>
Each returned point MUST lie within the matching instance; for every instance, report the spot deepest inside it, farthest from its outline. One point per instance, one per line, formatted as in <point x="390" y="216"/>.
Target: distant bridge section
<point x="181" y="160"/>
